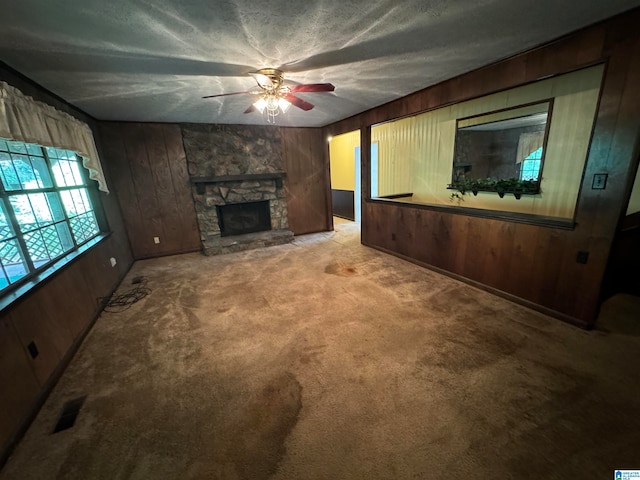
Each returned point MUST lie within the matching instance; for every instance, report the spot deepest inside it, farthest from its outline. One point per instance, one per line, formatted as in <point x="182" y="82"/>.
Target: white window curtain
<point x="528" y="143"/>
<point x="25" y="119"/>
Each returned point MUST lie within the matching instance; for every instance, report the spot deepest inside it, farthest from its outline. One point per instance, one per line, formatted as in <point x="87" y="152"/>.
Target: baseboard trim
<point x="513" y="298"/>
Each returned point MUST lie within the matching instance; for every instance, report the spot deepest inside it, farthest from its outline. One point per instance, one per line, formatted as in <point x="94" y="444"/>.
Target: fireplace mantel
<point x="201" y="182"/>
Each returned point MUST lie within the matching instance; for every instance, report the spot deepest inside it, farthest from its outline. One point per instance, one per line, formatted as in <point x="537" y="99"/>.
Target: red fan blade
<point x="250" y="109"/>
<point x="225" y="94"/>
<point x="298" y="102"/>
<point x="312" y="87"/>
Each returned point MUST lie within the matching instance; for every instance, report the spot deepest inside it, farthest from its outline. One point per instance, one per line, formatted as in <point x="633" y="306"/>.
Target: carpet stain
<point x="311" y="354"/>
<point x="257" y="442"/>
<point x="469" y="347"/>
<point x="340" y="270"/>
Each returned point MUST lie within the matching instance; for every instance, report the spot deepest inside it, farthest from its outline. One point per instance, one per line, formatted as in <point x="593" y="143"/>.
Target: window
<point x="45" y="208"/>
<point x="530" y="166"/>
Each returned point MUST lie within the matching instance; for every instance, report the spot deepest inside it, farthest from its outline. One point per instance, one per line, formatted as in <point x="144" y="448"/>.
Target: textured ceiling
<point x="153" y="60"/>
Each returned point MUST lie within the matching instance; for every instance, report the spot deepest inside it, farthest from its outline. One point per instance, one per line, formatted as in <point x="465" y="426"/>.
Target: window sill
<point x="539" y="220"/>
<point x="13" y="295"/>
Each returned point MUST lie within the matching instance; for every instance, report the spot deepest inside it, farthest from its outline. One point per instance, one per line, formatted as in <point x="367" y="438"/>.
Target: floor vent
<point x="69" y="414"/>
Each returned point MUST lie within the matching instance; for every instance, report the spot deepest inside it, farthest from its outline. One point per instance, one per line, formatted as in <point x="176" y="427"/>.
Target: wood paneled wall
<point x="152" y="183"/>
<point x="532" y="264"/>
<point x="151" y="180"/>
<point x="60" y="310"/>
<point x="306" y="162"/>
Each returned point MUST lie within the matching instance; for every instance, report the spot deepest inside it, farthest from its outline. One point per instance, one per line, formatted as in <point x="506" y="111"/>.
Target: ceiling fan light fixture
<point x="274" y="97"/>
<point x="271" y="104"/>
<point x="283" y="104"/>
<point x="260" y="104"/>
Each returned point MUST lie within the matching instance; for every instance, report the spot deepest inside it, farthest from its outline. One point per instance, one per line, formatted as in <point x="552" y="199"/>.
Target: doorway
<point x="344" y="161"/>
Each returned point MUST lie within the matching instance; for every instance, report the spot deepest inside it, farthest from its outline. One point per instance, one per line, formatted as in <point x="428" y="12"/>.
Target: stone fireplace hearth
<point x="237" y="166"/>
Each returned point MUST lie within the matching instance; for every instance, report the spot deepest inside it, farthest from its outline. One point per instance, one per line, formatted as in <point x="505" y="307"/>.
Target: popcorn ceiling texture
<point x="153" y="61"/>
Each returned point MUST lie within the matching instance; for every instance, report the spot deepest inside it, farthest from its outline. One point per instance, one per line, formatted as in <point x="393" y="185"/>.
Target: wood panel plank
<point x="50" y="335"/>
<point x="19" y="384"/>
<point x="168" y="220"/>
<point x="304" y="161"/>
<point x="150" y="214"/>
<point x="123" y="186"/>
<point x="188" y="230"/>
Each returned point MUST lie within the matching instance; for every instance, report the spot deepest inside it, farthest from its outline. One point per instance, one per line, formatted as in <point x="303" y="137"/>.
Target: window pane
<point x="84" y="227"/>
<point x="75" y="201"/>
<point x="25" y="171"/>
<point x="48" y="243"/>
<point x="35" y="150"/>
<point x="6" y="231"/>
<point x="3" y="145"/>
<point x="12" y="261"/>
<point x="17" y="147"/>
<point x="75" y="169"/>
<point x="55" y="207"/>
<point x="52" y="152"/>
<point x="9" y="175"/>
<point x="37" y="248"/>
<point x="36" y="209"/>
<point x="42" y="172"/>
<point x="23" y="211"/>
<point x="63" y="171"/>
<point x="64" y="235"/>
<point x="4" y="281"/>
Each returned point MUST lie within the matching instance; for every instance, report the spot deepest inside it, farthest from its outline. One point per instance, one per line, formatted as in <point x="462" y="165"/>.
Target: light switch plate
<point x="599" y="181"/>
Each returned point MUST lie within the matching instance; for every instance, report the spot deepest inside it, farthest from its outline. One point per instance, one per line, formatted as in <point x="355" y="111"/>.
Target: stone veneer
<point x="223" y="150"/>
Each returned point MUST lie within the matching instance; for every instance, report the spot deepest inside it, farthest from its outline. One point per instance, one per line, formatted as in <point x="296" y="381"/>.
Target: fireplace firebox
<point x="242" y="218"/>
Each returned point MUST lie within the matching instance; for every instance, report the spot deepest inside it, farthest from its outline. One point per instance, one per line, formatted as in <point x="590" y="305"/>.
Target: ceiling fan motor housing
<point x="275" y="78"/>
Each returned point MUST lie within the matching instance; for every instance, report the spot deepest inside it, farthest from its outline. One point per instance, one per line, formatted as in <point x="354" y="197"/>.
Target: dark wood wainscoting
<point x="343" y="204"/>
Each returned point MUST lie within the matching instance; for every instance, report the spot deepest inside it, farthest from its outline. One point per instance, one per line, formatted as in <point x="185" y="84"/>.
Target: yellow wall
<point x="416" y="153"/>
<point x="342" y="160"/>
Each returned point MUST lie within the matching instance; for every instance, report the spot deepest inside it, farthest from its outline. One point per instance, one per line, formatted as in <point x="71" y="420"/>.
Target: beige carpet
<point x="324" y="359"/>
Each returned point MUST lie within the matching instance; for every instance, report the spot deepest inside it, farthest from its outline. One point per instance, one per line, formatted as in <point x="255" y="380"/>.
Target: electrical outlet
<point x="156" y="240"/>
<point x="599" y="181"/>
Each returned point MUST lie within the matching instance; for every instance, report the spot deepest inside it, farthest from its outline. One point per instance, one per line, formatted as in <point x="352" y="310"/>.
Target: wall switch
<point x="113" y="261"/>
<point x="156" y="240"/>
<point x="599" y="181"/>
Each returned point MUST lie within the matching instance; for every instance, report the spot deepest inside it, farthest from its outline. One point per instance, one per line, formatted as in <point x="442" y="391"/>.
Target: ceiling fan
<point x="274" y="95"/>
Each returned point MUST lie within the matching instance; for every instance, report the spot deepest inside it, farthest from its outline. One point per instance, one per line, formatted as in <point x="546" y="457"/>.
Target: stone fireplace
<point x="237" y="186"/>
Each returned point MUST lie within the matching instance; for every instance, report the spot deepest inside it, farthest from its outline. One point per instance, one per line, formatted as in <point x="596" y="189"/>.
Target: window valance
<point x="25" y="119"/>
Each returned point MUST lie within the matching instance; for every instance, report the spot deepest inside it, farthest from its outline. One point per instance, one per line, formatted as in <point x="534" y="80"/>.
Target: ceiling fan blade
<point x="263" y="80"/>
<point x="298" y="102"/>
<point x="312" y="87"/>
<point x="225" y="94"/>
<point x="251" y="108"/>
